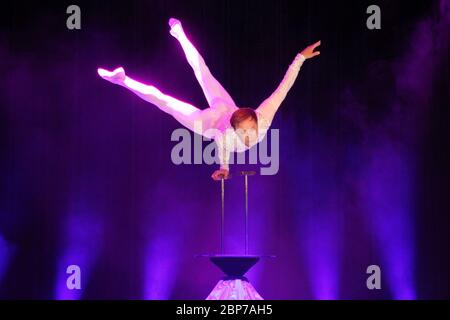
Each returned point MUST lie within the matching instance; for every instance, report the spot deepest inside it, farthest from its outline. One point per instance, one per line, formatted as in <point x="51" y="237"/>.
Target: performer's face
<point x="247" y="131"/>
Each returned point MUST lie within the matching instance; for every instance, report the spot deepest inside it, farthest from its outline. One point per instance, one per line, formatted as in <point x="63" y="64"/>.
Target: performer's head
<point x="245" y="122"/>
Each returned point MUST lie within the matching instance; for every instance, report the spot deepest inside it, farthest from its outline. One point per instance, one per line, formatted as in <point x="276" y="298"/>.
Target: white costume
<point x="221" y="105"/>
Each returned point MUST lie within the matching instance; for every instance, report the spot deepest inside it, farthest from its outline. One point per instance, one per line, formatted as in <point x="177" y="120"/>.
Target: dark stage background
<point x="87" y="178"/>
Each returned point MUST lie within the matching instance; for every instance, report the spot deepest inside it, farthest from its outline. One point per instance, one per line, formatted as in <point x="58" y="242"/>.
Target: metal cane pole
<point x="223" y="215"/>
<point x="246" y="214"/>
<point x="246" y="174"/>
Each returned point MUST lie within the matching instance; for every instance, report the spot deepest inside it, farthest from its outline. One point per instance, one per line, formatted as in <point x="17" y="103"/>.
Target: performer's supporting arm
<point x="224" y="158"/>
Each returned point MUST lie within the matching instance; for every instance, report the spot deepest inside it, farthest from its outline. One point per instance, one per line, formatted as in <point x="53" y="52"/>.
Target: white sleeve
<point x="223" y="152"/>
<point x="269" y="107"/>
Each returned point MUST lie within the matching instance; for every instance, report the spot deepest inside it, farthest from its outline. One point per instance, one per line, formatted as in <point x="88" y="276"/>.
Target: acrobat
<point x="235" y="129"/>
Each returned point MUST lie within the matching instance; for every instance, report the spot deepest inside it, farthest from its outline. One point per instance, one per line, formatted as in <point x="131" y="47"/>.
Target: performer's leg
<point x="213" y="90"/>
<point x="188" y="115"/>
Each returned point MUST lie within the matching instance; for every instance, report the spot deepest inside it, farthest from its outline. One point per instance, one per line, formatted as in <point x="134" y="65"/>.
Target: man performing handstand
<point x="234" y="129"/>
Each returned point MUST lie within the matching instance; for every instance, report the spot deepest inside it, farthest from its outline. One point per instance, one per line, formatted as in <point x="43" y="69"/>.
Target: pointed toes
<point x="173" y="21"/>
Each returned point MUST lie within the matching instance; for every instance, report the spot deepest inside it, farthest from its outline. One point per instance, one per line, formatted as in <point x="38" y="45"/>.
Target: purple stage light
<point x="5" y="254"/>
<point x="161" y="265"/>
<point x="82" y="234"/>
<point x="388" y="196"/>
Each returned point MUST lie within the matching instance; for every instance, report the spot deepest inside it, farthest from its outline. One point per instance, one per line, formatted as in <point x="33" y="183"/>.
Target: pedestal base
<point x="234" y="289"/>
<point x="234" y="286"/>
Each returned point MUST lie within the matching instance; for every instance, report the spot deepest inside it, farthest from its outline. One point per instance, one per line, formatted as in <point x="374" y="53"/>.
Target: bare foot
<point x="116" y="76"/>
<point x="176" y="29"/>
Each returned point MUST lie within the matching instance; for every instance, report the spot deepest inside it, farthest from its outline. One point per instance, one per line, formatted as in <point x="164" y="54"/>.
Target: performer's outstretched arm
<point x="269" y="107"/>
